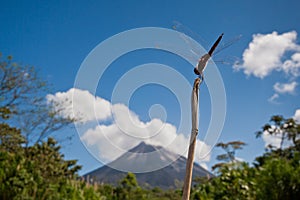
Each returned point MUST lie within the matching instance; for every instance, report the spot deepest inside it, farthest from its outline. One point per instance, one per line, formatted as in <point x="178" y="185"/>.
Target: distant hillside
<point x="171" y="176"/>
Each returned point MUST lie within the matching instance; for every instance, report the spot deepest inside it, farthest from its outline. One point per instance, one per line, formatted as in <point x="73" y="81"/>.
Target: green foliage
<point x="129" y="188"/>
<point x="234" y="182"/>
<point x="129" y="183"/>
<point x="275" y="175"/>
<point x="10" y="138"/>
<point x="278" y="178"/>
<point x="36" y="171"/>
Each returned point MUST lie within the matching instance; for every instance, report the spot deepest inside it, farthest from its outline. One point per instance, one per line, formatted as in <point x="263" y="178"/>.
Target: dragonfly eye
<point x="196" y="71"/>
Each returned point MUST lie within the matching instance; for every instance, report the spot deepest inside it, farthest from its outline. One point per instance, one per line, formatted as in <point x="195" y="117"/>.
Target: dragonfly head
<point x="200" y="75"/>
<point x="196" y="71"/>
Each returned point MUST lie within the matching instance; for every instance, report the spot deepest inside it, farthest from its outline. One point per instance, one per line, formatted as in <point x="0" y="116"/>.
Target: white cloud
<point x="282" y="88"/>
<point x="82" y="106"/>
<point x="285" y="87"/>
<point x="265" y="52"/>
<point x="275" y="140"/>
<point x="292" y="66"/>
<point x="122" y="129"/>
<point x="297" y="115"/>
<point x="273" y="98"/>
<point x="111" y="142"/>
<point x="239" y="159"/>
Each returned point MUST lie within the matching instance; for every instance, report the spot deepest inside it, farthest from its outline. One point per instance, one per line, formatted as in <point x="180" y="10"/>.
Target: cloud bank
<point x="265" y="54"/>
<point x="118" y="129"/>
<point x="85" y="104"/>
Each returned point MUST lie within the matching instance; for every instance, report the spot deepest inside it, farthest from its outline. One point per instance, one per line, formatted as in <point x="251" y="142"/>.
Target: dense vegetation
<point x="274" y="175"/>
<point x="32" y="167"/>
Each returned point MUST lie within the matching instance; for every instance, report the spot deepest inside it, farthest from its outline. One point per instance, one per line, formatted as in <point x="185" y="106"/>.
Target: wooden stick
<point x="193" y="139"/>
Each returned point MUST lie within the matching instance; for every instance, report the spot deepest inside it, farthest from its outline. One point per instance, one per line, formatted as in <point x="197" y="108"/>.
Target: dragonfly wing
<point x="227" y="44"/>
<point x="190" y="54"/>
<point x="187" y="31"/>
<point x="228" y="60"/>
<point x="196" y="51"/>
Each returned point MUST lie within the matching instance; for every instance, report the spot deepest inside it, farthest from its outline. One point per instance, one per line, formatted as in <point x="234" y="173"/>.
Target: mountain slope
<point x="168" y="177"/>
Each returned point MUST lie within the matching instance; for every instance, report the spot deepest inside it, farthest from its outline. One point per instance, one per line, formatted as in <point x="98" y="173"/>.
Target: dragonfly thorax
<point x="202" y="63"/>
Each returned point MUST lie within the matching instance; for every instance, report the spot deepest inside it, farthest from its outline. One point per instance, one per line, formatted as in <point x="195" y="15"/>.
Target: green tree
<point x="23" y="103"/>
<point x="278" y="178"/>
<point x="288" y="130"/>
<point x="38" y="170"/>
<point x="230" y="149"/>
<point x="279" y="168"/>
<point x="234" y="180"/>
<point x="129" y="189"/>
<point x="275" y="174"/>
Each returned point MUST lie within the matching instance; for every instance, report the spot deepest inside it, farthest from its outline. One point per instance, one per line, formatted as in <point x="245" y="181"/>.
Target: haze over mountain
<point x="170" y="176"/>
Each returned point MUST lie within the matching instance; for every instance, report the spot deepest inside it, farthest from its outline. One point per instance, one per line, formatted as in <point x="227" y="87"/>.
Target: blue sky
<point x="56" y="37"/>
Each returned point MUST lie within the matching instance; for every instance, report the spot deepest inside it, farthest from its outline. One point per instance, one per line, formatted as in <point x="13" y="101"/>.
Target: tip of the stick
<point x="197" y="82"/>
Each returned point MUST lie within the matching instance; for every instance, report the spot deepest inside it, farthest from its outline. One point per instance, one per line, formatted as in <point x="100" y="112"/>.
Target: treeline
<point x="32" y="167"/>
<point x="40" y="172"/>
<point x="274" y="175"/>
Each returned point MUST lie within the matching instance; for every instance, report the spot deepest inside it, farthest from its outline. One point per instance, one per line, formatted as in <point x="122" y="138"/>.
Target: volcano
<point x="167" y="177"/>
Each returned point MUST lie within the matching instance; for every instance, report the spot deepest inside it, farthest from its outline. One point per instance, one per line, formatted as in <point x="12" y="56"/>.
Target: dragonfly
<point x="198" y="70"/>
<point x="197" y="55"/>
